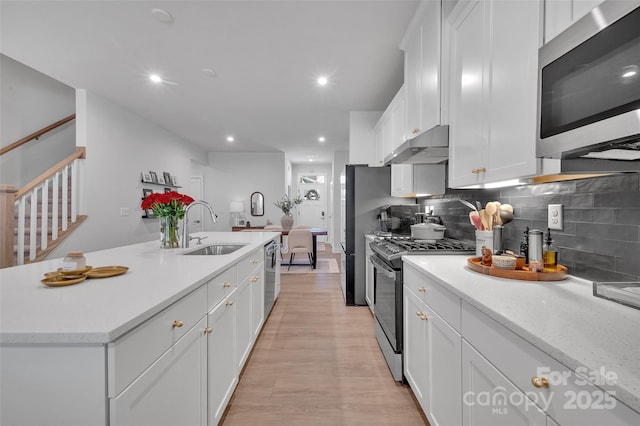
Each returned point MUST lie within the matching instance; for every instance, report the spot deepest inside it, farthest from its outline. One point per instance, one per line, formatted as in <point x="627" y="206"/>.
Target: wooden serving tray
<point x="516" y="274"/>
<point x="106" y="271"/>
<point x="61" y="278"/>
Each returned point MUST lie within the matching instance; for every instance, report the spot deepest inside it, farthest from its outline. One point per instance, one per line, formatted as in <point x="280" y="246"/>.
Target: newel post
<point x="7" y="224"/>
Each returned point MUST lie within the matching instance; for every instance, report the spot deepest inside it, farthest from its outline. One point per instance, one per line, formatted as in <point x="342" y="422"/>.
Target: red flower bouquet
<point x="167" y="204"/>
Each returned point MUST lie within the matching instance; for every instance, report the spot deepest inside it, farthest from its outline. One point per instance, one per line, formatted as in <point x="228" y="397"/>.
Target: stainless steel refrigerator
<point x="366" y="190"/>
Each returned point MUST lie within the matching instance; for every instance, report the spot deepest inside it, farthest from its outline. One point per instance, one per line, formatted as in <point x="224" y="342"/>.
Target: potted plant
<point x="287" y="204"/>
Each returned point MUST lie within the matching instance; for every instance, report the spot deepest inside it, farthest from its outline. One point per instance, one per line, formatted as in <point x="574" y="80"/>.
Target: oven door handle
<point x="384" y="269"/>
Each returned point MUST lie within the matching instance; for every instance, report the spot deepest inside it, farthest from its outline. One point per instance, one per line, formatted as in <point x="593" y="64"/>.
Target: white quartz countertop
<point x="98" y="311"/>
<point x="562" y="318"/>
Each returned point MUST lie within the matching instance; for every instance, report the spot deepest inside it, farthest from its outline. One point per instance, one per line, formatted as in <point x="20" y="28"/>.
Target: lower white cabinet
<point x="244" y="328"/>
<point x="170" y="392"/>
<point x="490" y="398"/>
<point x="222" y="371"/>
<point x="369" y="275"/>
<point x="465" y="368"/>
<point x="257" y="301"/>
<point x="432" y="356"/>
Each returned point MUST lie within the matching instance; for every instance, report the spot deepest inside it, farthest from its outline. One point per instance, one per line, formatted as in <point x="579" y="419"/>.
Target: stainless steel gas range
<point x="388" y="295"/>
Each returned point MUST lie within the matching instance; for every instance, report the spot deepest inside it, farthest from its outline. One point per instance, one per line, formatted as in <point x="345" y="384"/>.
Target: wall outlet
<point x="555" y="218"/>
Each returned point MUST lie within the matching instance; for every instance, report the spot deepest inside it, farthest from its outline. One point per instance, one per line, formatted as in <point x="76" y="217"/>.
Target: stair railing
<point x="61" y="182"/>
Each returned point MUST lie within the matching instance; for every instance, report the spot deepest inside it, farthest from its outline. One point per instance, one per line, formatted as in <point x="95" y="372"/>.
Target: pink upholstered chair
<point x="300" y="241"/>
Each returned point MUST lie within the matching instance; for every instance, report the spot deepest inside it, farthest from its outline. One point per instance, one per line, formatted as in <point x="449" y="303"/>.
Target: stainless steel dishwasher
<point x="271" y="271"/>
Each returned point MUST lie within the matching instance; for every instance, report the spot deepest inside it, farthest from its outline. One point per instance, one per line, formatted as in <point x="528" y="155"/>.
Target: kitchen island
<point x="106" y="351"/>
<point x="571" y="357"/>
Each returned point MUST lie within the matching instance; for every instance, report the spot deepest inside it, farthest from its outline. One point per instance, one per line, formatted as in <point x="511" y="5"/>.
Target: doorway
<point x="312" y="187"/>
<point x="196" y="191"/>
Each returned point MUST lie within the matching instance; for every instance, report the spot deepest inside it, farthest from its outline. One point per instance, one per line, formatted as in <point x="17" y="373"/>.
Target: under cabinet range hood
<point x="429" y="147"/>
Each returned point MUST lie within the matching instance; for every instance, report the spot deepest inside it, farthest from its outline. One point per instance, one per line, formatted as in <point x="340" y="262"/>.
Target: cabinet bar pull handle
<point x="229" y="303"/>
<point x="177" y="324"/>
<point x="226" y="285"/>
<point x="540" y="382"/>
<point x="254" y="261"/>
<point x="422" y="316"/>
<point x="478" y="170"/>
<point x="208" y="330"/>
<point x="422" y="289"/>
<point x="255" y="279"/>
<point x="416" y="130"/>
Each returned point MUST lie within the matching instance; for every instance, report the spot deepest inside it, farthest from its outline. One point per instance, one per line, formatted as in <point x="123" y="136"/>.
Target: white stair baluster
<point x="45" y="215"/>
<point x="33" y="224"/>
<point x="74" y="190"/>
<point x="54" y="206"/>
<point x="65" y="198"/>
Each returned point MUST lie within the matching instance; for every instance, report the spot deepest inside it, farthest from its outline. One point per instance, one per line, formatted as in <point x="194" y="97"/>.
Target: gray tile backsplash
<point x="601" y="235"/>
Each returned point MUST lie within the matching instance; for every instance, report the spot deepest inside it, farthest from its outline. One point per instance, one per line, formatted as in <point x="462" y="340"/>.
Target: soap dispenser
<point x="549" y="254"/>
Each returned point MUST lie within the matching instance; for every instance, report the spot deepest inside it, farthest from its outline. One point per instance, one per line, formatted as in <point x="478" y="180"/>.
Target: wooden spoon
<point x="491" y="209"/>
<point x="484" y="219"/>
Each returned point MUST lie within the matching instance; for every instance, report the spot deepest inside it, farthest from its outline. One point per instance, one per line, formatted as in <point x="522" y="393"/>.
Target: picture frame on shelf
<point x="145" y="177"/>
<point x="146" y="192"/>
<point x="167" y="178"/>
<point x="174" y="181"/>
<point x="161" y="180"/>
<point x="167" y="189"/>
<point x="154" y="177"/>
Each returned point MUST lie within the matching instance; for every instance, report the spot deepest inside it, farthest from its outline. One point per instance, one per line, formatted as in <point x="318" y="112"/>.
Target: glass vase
<point x="169" y="237"/>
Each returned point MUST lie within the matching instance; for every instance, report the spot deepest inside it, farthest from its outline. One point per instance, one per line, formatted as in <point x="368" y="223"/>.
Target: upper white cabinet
<point x="560" y="14"/>
<point x="412" y="180"/>
<point x="389" y="131"/>
<point x="422" y="68"/>
<point x="494" y="50"/>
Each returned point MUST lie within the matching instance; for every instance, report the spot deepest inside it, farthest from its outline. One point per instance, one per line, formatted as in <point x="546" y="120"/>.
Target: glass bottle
<point x="549" y="254"/>
<point x="536" y="262"/>
<point x="74" y="261"/>
<point x="524" y="246"/>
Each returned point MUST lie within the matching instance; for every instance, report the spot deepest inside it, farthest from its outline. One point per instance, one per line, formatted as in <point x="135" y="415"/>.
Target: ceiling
<point x="266" y="56"/>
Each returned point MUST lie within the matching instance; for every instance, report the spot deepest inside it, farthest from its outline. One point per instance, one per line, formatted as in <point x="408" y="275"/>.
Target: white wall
<point x="120" y="145"/>
<point x="340" y="159"/>
<point x="361" y="136"/>
<point x="234" y="176"/>
<point x="30" y="102"/>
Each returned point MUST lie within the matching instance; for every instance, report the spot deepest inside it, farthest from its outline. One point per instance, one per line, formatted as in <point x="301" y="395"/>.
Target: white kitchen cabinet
<point x="170" y="391"/>
<point x="361" y="136"/>
<point x="222" y="371"/>
<point x="369" y="275"/>
<point x="244" y="327"/>
<point x="257" y="301"/>
<point x="413" y="180"/>
<point x="422" y="47"/>
<point x="490" y="398"/>
<point x="432" y="350"/>
<point x="494" y="49"/>
<point x="415" y="346"/>
<point x="560" y="14"/>
<point x="389" y="132"/>
<point x="566" y="397"/>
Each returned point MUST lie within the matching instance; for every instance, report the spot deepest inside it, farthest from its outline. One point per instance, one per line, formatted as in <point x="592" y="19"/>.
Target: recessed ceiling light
<point x="322" y="81"/>
<point x="230" y="139"/>
<point x="310" y="159"/>
<point x="209" y="72"/>
<point x="155" y="78"/>
<point x="321" y="139"/>
<point x="162" y="15"/>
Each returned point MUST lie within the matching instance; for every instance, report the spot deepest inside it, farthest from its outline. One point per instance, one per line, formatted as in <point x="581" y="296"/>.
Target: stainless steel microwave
<point x="589" y="86"/>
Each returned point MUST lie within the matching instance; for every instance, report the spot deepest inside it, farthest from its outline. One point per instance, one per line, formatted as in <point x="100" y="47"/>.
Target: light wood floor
<point x="317" y="362"/>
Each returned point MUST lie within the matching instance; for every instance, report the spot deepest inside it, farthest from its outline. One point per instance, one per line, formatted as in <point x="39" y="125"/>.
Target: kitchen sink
<point x="215" y="249"/>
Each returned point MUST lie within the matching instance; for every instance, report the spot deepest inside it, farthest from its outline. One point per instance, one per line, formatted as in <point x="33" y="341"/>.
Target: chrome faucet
<point x="185" y="235"/>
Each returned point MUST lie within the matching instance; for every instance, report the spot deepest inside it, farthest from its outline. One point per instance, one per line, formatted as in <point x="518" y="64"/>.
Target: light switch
<point x="124" y="211"/>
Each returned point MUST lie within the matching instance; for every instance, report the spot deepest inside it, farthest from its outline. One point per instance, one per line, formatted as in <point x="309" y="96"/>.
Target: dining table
<point x="314" y="234"/>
